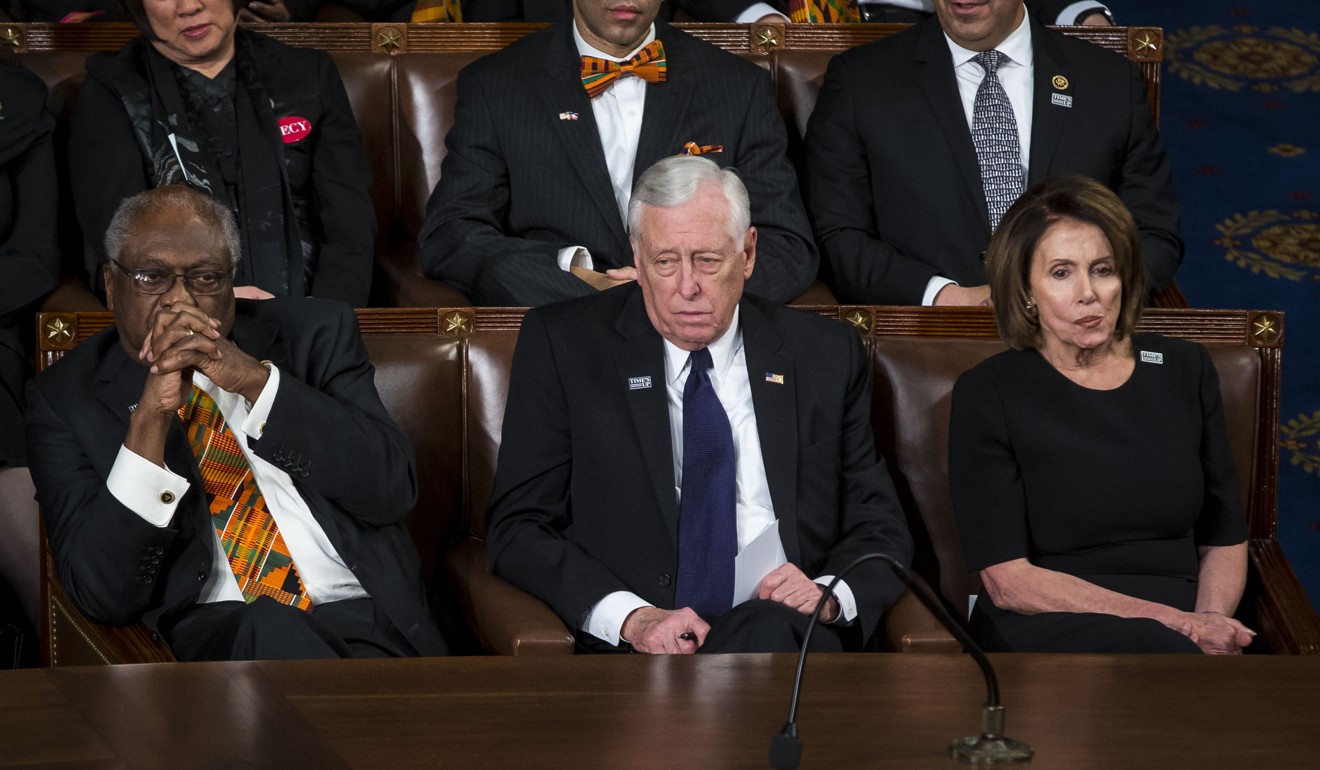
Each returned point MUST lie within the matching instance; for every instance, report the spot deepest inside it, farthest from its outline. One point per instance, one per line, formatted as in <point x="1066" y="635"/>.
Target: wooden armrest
<point x="910" y="627"/>
<point x="404" y="286"/>
<point x="73" y="640"/>
<point x="505" y="619"/>
<point x="1275" y="602"/>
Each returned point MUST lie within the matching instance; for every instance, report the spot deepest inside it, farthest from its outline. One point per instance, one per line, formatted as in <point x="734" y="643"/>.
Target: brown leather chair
<point x="918" y="356"/>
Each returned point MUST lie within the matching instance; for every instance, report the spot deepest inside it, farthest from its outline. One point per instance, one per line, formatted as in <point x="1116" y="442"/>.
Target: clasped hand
<point x="183" y="339"/>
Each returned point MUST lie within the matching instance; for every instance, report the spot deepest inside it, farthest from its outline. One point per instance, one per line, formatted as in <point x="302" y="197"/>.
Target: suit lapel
<point x="666" y="106"/>
<point x="641" y="354"/>
<point x="562" y="92"/>
<point x="775" y="403"/>
<point x="1047" y="118"/>
<point x="936" y="80"/>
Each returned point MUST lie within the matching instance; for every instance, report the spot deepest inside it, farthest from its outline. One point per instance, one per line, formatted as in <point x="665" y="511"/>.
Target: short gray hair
<point x="180" y="198"/>
<point x="675" y="180"/>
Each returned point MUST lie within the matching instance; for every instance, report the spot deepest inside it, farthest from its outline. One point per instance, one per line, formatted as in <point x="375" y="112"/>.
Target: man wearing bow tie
<point x="919" y="142"/>
<point x="550" y="132"/>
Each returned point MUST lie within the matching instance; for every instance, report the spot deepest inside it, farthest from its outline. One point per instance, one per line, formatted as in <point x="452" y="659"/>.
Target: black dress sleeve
<point x="985" y="480"/>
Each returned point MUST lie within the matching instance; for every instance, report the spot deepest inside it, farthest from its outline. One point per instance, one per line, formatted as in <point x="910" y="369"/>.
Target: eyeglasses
<point x="200" y="283"/>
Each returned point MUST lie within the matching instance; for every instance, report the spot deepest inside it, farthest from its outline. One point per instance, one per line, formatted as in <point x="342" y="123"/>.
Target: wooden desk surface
<point x="876" y="710"/>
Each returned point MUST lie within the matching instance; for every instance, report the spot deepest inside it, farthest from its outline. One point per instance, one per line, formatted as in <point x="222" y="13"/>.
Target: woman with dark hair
<point x="1089" y="466"/>
<point x="263" y="127"/>
<point x="29" y="266"/>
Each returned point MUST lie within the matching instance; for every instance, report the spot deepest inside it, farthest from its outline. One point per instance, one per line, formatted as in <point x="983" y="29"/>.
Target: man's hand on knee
<point x="656" y="631"/>
<point x="788" y="586"/>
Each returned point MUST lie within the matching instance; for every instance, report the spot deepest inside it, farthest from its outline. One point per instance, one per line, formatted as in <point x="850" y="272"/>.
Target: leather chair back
<point x="490" y="360"/>
<point x="427" y="88"/>
<point x="368" y="81"/>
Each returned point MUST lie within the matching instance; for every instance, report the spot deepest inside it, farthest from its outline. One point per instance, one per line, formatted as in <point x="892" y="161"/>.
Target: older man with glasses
<point x="218" y="469"/>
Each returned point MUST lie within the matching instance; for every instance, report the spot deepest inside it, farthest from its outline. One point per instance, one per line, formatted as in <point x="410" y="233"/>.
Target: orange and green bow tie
<point x="823" y="12"/>
<point x="649" y="64"/>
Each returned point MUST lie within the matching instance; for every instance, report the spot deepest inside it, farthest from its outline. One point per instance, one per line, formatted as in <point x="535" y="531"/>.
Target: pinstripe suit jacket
<point x="518" y="179"/>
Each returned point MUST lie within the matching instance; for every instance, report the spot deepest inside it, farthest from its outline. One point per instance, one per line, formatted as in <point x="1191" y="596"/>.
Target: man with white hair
<point x="658" y="429"/>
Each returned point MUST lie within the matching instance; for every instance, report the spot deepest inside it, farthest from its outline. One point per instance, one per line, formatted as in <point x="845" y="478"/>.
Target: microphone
<point x="989" y="747"/>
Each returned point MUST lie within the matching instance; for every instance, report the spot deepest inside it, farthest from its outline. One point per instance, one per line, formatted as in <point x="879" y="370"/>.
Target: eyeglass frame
<point x="133" y="280"/>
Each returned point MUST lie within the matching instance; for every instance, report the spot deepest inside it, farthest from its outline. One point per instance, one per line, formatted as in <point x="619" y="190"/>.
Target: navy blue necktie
<point x="707" y="526"/>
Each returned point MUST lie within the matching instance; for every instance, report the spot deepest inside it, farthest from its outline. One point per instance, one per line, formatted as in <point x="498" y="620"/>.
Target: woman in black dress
<point x="1089" y="466"/>
<point x="263" y="127"/>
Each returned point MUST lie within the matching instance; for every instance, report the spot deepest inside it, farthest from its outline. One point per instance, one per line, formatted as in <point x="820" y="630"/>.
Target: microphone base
<point x="990" y="750"/>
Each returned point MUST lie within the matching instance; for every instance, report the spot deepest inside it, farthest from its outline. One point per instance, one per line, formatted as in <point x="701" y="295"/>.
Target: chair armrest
<point x="505" y="619"/>
<point x="1275" y="602"/>
<point x="73" y="640"/>
<point x="403" y="286"/>
<point x="910" y="627"/>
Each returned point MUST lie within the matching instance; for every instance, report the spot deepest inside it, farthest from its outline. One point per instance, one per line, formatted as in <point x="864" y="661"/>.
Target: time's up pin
<point x="1060" y="83"/>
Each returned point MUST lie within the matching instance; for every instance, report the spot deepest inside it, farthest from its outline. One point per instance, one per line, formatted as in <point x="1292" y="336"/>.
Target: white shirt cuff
<point x="605" y="621"/>
<point x="847" y="602"/>
<point x="756" y="11"/>
<point x="145" y="488"/>
<point x="933" y="287"/>
<point x="574" y="256"/>
<point x="1068" y="16"/>
<point x="255" y="424"/>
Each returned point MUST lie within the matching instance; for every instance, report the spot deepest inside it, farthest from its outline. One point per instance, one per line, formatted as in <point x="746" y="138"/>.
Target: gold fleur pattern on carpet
<point x="1275" y="243"/>
<point x="1241" y="56"/>
<point x="1287" y="150"/>
<point x="1298" y="440"/>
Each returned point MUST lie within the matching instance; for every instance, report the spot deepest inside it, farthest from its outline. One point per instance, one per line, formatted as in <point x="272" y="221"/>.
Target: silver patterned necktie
<point x="995" y="134"/>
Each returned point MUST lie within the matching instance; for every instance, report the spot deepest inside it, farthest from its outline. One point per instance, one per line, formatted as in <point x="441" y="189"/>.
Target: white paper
<point x="759" y="558"/>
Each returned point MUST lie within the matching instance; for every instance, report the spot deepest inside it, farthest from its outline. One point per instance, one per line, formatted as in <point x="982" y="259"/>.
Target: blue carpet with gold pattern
<point x="1240" y="117"/>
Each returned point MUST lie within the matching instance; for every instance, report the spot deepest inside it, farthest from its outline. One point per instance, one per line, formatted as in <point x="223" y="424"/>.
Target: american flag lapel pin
<point x="568" y="116"/>
<point x="777" y="379"/>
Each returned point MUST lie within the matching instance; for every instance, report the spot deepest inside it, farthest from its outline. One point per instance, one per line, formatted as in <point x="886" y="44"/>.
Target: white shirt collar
<point x="1017" y="46"/>
<point x="587" y="49"/>
<point x="721" y="350"/>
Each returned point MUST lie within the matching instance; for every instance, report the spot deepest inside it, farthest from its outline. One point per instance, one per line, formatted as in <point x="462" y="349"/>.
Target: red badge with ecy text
<point x="294" y="129"/>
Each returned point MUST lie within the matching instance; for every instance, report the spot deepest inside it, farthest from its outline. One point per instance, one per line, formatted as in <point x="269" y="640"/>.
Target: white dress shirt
<point x="141" y="486"/>
<point x="1015" y="74"/>
<point x="618" y="112"/>
<point x="755" y="510"/>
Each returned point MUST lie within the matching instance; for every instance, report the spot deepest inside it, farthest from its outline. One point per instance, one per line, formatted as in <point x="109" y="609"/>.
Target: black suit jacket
<point x="895" y="188"/>
<point x="327" y="173"/>
<point x="519" y="180"/>
<point x="584" y="500"/>
<point x="327" y="429"/>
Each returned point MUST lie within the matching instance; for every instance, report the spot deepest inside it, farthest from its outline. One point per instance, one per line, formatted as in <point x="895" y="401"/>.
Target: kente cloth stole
<point x="436" y="10"/>
<point x="823" y="12"/>
<point x="248" y="533"/>
<point x="649" y="64"/>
